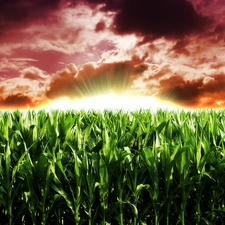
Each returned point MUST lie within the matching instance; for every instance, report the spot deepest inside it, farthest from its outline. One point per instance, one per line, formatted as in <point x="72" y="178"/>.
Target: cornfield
<point x="67" y="167"/>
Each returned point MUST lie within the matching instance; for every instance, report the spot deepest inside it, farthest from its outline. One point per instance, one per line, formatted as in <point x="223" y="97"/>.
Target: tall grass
<point x="112" y="168"/>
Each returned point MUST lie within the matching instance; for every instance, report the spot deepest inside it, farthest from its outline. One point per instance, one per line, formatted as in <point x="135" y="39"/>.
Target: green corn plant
<point x="151" y="163"/>
<point x="38" y="196"/>
<point x="90" y="164"/>
<point x="103" y="189"/>
<point x="73" y="197"/>
<point x="8" y="184"/>
<point x="98" y="168"/>
<point x="124" y="159"/>
<point x="168" y="161"/>
<point x="103" y="171"/>
<point x="123" y="169"/>
<point x="185" y="181"/>
<point x="13" y="174"/>
<point x="8" y="172"/>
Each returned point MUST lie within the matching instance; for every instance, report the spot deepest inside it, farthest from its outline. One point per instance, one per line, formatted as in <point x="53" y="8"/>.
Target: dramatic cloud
<point x="25" y="91"/>
<point x="14" y="13"/>
<point x="159" y="18"/>
<point x="170" y="49"/>
<point x="17" y="101"/>
<point x="34" y="73"/>
<point x="93" y="79"/>
<point x="200" y="93"/>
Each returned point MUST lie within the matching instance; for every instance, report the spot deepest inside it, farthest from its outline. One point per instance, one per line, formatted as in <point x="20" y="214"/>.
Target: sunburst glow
<point x="110" y="102"/>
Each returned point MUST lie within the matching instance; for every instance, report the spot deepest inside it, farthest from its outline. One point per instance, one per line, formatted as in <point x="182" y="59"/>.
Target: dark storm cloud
<point x="203" y="92"/>
<point x="14" y="13"/>
<point x="154" y="18"/>
<point x="158" y="18"/>
<point x="149" y="18"/>
<point x="180" y="47"/>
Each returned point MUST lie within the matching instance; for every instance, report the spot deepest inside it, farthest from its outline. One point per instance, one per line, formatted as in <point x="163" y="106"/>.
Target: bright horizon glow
<point x="110" y="102"/>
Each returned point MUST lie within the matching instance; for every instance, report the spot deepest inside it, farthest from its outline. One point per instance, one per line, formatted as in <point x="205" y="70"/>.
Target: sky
<point x="169" y="50"/>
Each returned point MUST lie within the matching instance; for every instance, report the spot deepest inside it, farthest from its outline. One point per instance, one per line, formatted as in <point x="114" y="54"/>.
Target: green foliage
<point x="112" y="168"/>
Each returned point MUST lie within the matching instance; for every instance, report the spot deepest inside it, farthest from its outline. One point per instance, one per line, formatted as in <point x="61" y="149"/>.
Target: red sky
<point x="170" y="49"/>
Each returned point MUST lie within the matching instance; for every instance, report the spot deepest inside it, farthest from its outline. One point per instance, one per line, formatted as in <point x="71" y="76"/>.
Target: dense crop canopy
<point x="67" y="167"/>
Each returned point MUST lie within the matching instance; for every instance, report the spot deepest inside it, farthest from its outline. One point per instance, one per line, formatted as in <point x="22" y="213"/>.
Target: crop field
<point x="112" y="167"/>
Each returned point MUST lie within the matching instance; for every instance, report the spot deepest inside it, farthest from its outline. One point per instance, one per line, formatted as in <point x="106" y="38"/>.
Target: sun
<point x="109" y="102"/>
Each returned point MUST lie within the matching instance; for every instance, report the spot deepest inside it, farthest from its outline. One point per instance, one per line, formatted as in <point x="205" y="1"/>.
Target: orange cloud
<point x="194" y="93"/>
<point x="21" y="92"/>
<point x="33" y="73"/>
<point x="92" y="79"/>
<point x="18" y="101"/>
